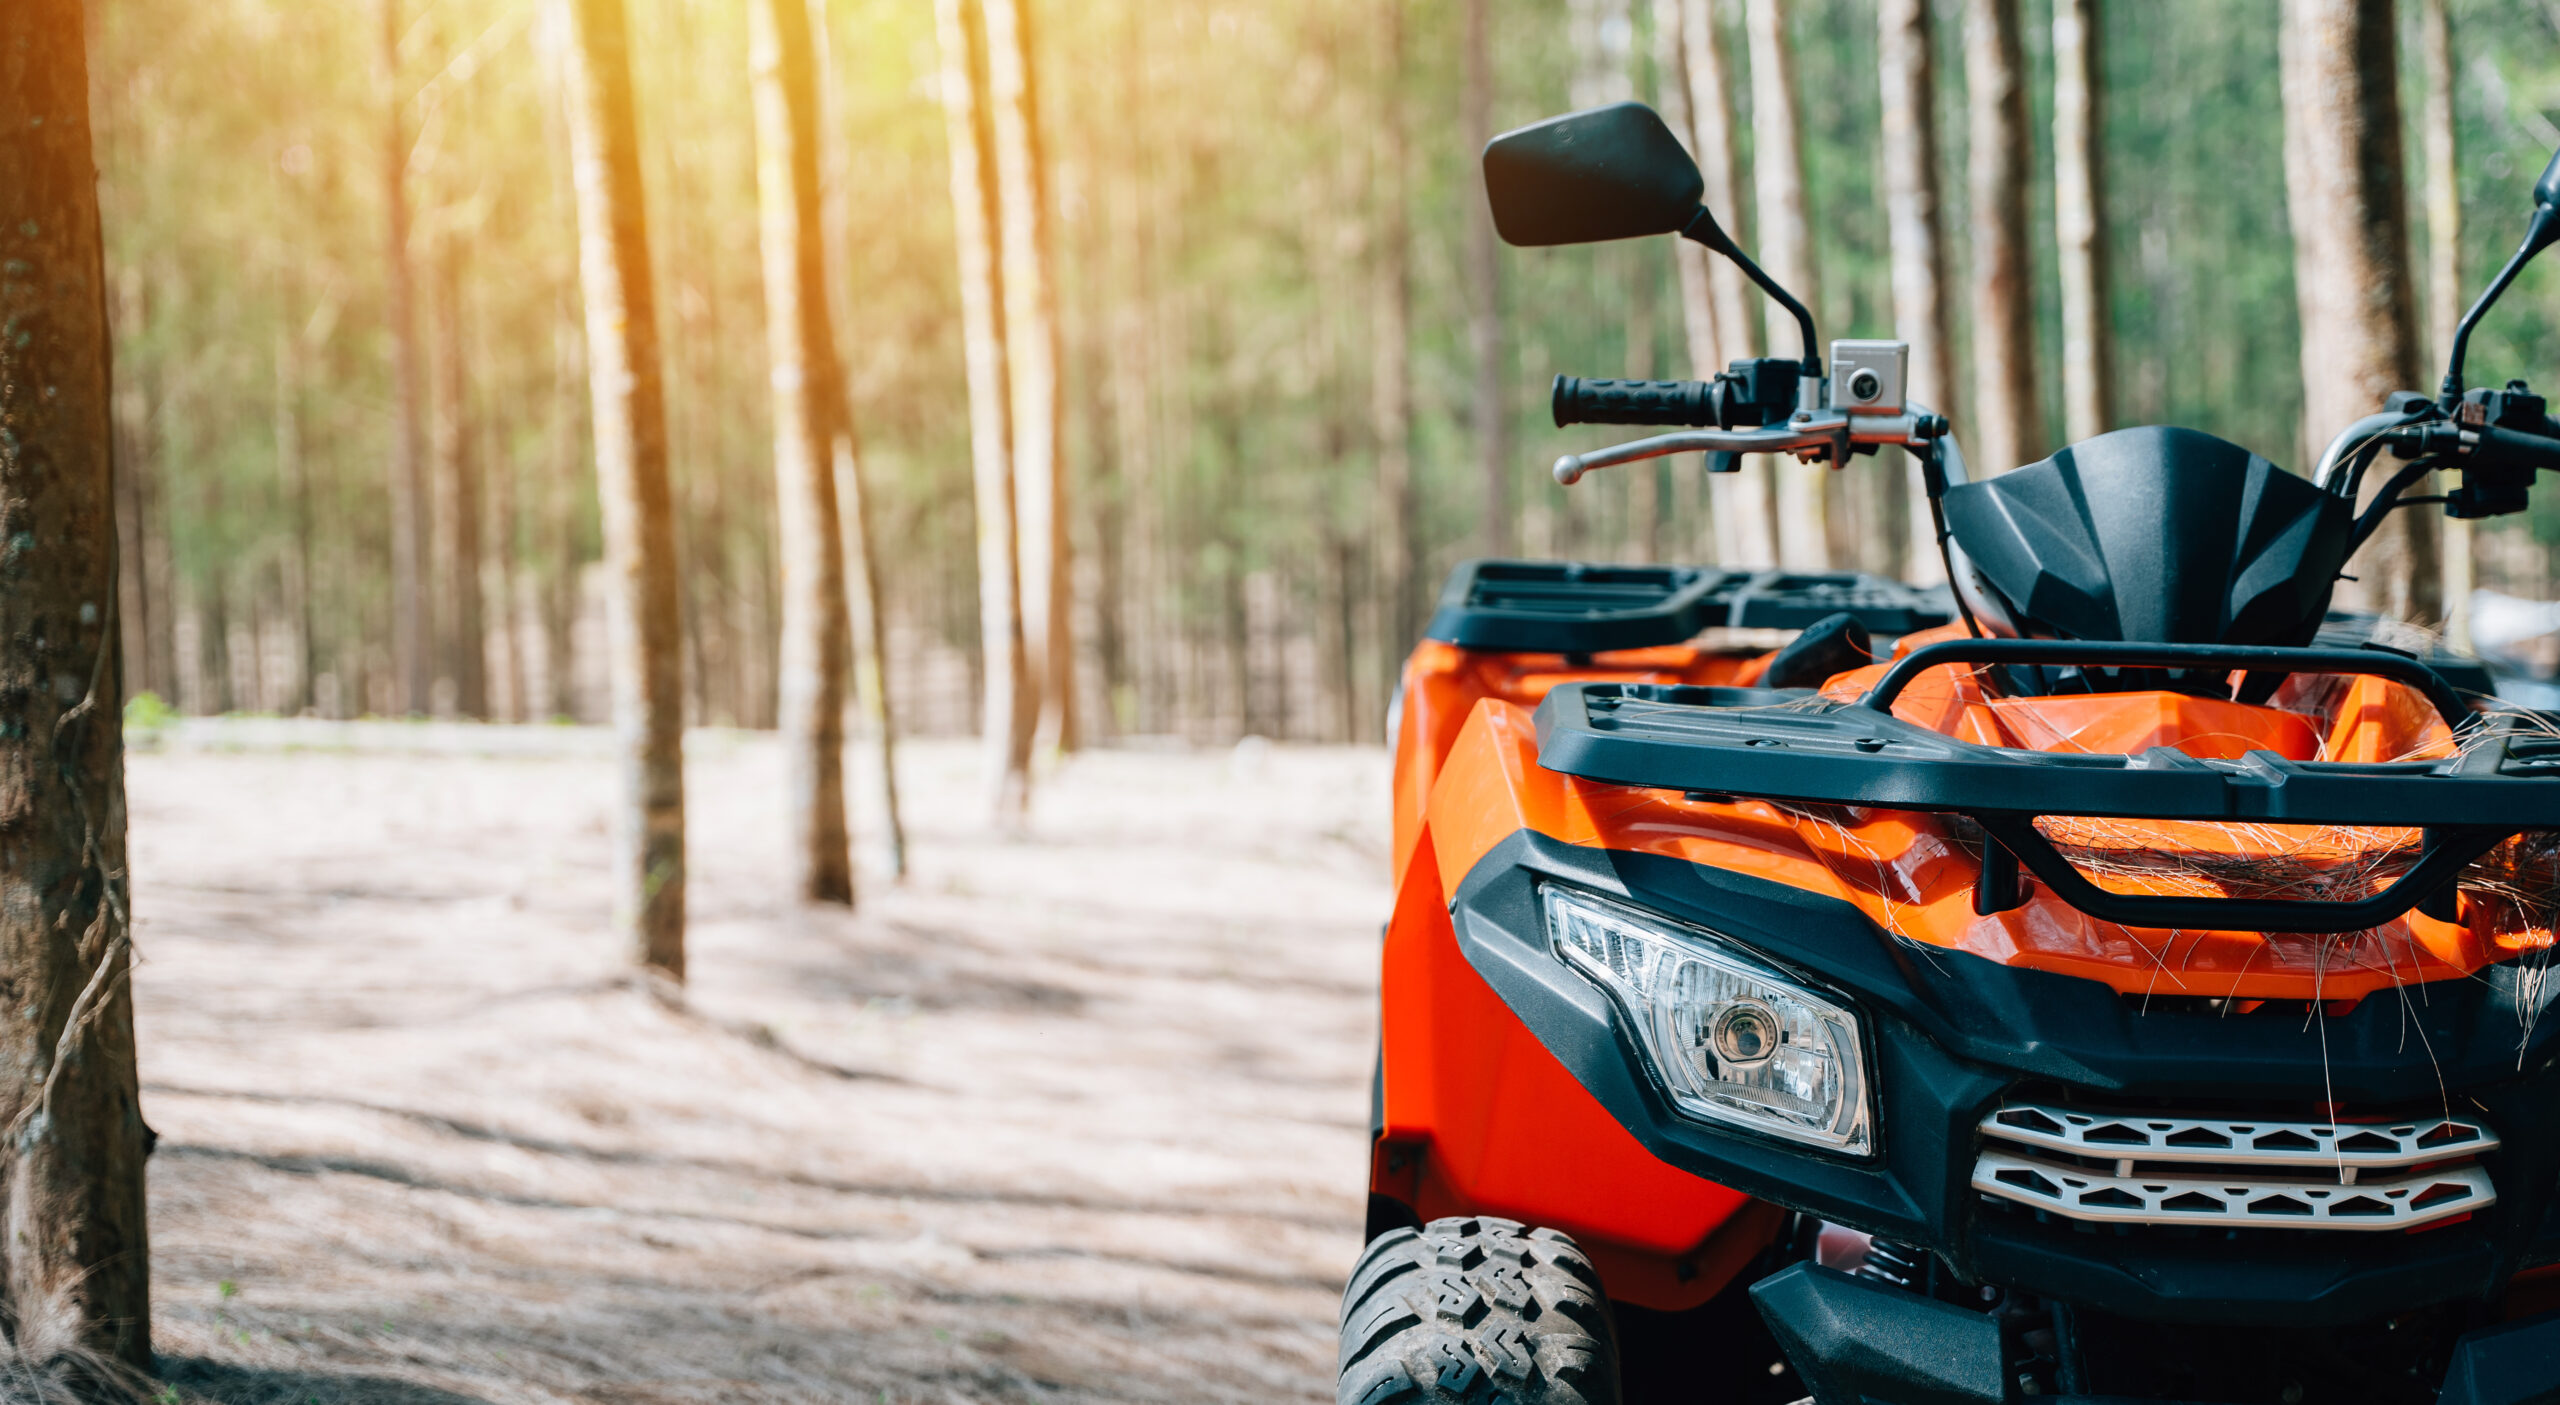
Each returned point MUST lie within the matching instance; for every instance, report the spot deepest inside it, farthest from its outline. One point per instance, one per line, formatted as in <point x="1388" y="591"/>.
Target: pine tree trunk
<point x="1488" y="412"/>
<point x="2080" y="219"/>
<point x="1026" y="241"/>
<point x="807" y="395"/>
<point x="1743" y="503"/>
<point x="643" y="650"/>
<point x="1786" y="251"/>
<point x="1909" y="71"/>
<point x="2008" y="417"/>
<point x="863" y="606"/>
<point x="2345" y="198"/>
<point x="77" y="1271"/>
<point x="464" y="635"/>
<point x="1399" y="551"/>
<point x="2444" y="275"/>
<point x="409" y="625"/>
<point x="1008" y="714"/>
<point x="1696" y="290"/>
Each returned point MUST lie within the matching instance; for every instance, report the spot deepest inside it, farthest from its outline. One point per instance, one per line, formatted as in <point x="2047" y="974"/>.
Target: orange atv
<point x="2130" y="983"/>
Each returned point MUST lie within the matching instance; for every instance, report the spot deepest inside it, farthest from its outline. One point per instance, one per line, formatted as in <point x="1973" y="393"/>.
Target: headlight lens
<point x="1733" y="1040"/>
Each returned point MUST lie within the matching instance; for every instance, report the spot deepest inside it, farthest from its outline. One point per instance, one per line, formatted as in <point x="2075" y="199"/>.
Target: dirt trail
<point x="1076" y="1117"/>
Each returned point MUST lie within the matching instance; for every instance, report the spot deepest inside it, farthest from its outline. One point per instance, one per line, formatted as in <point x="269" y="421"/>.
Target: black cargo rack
<point x="1573" y="607"/>
<point x="2504" y="781"/>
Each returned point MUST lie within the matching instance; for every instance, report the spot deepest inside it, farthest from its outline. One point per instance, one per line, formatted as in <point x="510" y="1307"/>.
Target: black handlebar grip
<point x="1581" y="401"/>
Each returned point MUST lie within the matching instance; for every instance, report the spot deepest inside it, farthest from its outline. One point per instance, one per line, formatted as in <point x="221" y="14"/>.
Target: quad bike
<point x="2129" y="983"/>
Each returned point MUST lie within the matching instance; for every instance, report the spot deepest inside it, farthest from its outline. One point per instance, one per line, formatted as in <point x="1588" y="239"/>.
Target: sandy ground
<point x="1073" y="1117"/>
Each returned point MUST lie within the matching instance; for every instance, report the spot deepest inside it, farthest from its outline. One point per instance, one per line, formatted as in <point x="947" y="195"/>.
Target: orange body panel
<point x="1443" y="683"/>
<point x="1460" y="1068"/>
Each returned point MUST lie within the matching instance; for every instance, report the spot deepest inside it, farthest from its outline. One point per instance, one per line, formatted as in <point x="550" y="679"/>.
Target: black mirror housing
<point x="2546" y="191"/>
<point x="1605" y="173"/>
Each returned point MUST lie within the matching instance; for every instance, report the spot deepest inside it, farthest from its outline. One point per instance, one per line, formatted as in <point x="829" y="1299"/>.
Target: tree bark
<point x="1027" y="241"/>
<point x="643" y="649"/>
<point x="1008" y="715"/>
<point x="2080" y="219"/>
<point x="1909" y="72"/>
<point x="1743" y="503"/>
<point x="1488" y="413"/>
<point x="1399" y="548"/>
<point x="863" y="605"/>
<point x="807" y="395"/>
<point x="1786" y="251"/>
<point x="2344" y="193"/>
<point x="2444" y="275"/>
<point x="1695" y="285"/>
<point x="2008" y="418"/>
<point x="409" y="625"/>
<point x="75" y="1280"/>
<point x="464" y="637"/>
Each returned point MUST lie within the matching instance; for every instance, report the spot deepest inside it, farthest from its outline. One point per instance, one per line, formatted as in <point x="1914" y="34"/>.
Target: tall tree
<point x="1488" y="410"/>
<point x="2345" y="192"/>
<point x="463" y="633"/>
<point x="870" y="621"/>
<point x="1909" y="74"/>
<point x="2080" y="219"/>
<point x="1786" y="251"/>
<point x="1689" y="269"/>
<point x="1028" y="250"/>
<point x="1008" y="713"/>
<point x="71" y="1163"/>
<point x="409" y="625"/>
<point x="1399" y="547"/>
<point x="1743" y="503"/>
<point x="807" y="402"/>
<point x="2008" y="417"/>
<point x="643" y="644"/>
<point x="2444" y="272"/>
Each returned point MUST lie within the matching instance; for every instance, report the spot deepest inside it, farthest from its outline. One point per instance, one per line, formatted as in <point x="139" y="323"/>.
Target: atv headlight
<point x="1733" y="1040"/>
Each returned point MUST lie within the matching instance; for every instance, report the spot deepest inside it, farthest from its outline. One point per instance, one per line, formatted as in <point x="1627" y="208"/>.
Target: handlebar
<point x="1581" y="401"/>
<point x="1825" y="433"/>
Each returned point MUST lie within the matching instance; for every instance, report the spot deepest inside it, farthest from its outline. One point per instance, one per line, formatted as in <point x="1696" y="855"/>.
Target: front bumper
<point x="1955" y="1035"/>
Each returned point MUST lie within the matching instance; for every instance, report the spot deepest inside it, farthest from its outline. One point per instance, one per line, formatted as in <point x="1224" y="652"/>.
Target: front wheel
<point x="1471" y="1310"/>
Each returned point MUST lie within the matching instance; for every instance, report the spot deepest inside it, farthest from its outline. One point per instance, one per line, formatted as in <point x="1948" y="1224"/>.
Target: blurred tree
<point x="854" y="492"/>
<point x="2079" y="218"/>
<point x="462" y="627"/>
<point x="807" y="395"/>
<point x="1026" y="248"/>
<point x="71" y="1174"/>
<point x="642" y="654"/>
<point x="1488" y="413"/>
<point x="2008" y="416"/>
<point x="410" y="635"/>
<point x="1743" y="504"/>
<point x="1787" y="252"/>
<point x="1399" y="549"/>
<point x="1909" y="76"/>
<point x="2346" y="196"/>
<point x="1010" y="692"/>
<point x="2444" y="271"/>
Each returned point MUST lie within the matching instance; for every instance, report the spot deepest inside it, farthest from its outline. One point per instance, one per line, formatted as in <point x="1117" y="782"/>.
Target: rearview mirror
<point x="2540" y="233"/>
<point x="1606" y="173"/>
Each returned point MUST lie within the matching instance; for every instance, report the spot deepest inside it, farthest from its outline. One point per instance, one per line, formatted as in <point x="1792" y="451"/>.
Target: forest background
<point x="1243" y="194"/>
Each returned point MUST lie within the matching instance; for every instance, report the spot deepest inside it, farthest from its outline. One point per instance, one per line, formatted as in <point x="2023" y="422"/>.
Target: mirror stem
<point x="1703" y="229"/>
<point x="2538" y="235"/>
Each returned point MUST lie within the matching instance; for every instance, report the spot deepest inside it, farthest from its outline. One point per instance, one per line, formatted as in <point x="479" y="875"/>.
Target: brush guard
<point x="1859" y="754"/>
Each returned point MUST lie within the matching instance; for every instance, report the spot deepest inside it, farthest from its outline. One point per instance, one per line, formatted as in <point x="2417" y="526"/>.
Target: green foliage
<point x="1216" y="169"/>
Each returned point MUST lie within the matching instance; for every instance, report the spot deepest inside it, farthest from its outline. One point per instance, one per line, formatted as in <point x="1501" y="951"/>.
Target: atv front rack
<point x="2504" y="779"/>
<point x="1572" y="607"/>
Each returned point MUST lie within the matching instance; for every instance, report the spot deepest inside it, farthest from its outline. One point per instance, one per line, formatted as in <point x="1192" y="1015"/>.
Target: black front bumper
<point x="1954" y="1035"/>
<point x="1856" y="1343"/>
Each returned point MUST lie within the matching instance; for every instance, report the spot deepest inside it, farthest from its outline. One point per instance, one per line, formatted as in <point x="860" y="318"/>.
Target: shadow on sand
<point x="219" y="1383"/>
